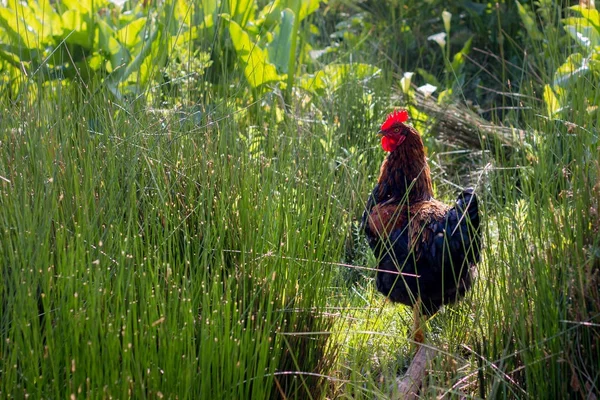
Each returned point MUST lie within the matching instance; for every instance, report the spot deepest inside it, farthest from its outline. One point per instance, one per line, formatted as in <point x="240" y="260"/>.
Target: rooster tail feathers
<point x="467" y="208"/>
<point x="468" y="205"/>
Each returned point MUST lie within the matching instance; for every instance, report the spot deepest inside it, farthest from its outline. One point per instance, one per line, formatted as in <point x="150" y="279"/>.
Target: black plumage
<point x="429" y="249"/>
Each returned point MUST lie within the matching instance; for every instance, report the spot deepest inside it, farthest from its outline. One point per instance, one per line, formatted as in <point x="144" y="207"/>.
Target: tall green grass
<point x="530" y="327"/>
<point x="146" y="254"/>
<point x="213" y="252"/>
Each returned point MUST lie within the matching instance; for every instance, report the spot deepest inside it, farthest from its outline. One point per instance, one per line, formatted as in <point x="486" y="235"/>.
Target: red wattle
<point x="390" y="143"/>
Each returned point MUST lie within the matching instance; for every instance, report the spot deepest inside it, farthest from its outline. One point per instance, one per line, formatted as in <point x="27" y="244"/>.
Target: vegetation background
<point x="180" y="184"/>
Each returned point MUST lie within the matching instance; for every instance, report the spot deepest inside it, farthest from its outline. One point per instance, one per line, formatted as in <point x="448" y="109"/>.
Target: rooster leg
<point x="418" y="334"/>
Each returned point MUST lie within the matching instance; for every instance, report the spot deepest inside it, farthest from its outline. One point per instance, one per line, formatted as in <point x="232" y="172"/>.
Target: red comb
<point x="397" y="116"/>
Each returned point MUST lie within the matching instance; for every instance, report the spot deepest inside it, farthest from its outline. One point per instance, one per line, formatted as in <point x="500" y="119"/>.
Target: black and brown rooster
<point x="427" y="251"/>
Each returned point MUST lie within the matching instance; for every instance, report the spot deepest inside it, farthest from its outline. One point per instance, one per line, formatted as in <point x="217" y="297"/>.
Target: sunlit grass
<point x="148" y="256"/>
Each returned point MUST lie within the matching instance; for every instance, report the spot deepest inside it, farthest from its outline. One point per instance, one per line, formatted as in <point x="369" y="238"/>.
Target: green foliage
<point x="528" y="19"/>
<point x="280" y="48"/>
<point x="277" y="62"/>
<point x="258" y="70"/>
<point x="136" y="48"/>
<point x="333" y="76"/>
<point x="88" y="41"/>
<point x="181" y="183"/>
<point x="453" y="70"/>
<point x="581" y="68"/>
<point x="486" y="37"/>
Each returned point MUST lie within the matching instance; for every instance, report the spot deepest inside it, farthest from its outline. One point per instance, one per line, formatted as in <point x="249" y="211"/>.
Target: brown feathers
<point x="405" y="170"/>
<point x="385" y="218"/>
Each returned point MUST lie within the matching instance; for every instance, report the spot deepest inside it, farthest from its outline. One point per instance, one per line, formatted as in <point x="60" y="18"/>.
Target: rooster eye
<point x="396" y="130"/>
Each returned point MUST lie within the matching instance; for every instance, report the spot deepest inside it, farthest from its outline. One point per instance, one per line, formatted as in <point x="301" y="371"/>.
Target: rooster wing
<point x="426" y="250"/>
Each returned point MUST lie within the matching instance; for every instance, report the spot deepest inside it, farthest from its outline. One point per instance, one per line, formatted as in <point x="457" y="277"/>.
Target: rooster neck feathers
<point x="405" y="170"/>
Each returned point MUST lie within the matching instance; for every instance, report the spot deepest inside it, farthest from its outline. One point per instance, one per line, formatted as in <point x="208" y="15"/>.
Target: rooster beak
<point x="381" y="132"/>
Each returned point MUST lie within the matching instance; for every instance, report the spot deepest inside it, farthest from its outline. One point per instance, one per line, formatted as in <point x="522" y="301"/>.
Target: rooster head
<point x="393" y="131"/>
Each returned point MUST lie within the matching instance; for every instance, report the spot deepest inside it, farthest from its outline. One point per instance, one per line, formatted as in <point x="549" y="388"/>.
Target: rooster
<point x="427" y="250"/>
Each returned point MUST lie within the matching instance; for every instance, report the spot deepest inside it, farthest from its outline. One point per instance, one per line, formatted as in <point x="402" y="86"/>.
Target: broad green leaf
<point x="418" y="118"/>
<point x="127" y="17"/>
<point x="85" y="6"/>
<point x="149" y="40"/>
<point x="255" y="31"/>
<point x="208" y="22"/>
<point x="279" y="49"/>
<point x="20" y="40"/>
<point x="241" y="11"/>
<point x="574" y="67"/>
<point x="595" y="63"/>
<point x="135" y="66"/>
<point x="133" y="33"/>
<point x="586" y="35"/>
<point x="552" y="102"/>
<point x="307" y="7"/>
<point x="577" y="21"/>
<point x="184" y="38"/>
<point x="208" y="7"/>
<point x="257" y="70"/>
<point x="42" y="19"/>
<point x="9" y="28"/>
<point x="428" y="77"/>
<point x="590" y="14"/>
<point x="75" y="5"/>
<point x="76" y="28"/>
<point x="312" y="82"/>
<point x="528" y="20"/>
<point x="108" y="43"/>
<point x="458" y="60"/>
<point x="208" y="13"/>
<point x="270" y="14"/>
<point x="95" y="62"/>
<point x="334" y="75"/>
<point x="9" y="55"/>
<point x="183" y="11"/>
<point x="20" y="32"/>
<point x="445" y="96"/>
